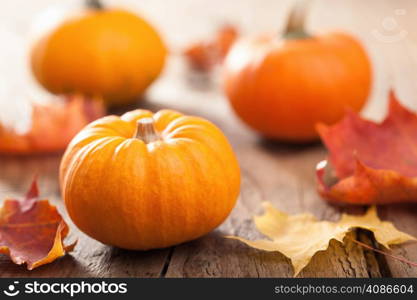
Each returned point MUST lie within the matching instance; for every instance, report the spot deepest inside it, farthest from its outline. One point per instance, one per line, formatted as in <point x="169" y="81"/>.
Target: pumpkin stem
<point x="145" y="131"/>
<point x="295" y="28"/>
<point x="94" y="4"/>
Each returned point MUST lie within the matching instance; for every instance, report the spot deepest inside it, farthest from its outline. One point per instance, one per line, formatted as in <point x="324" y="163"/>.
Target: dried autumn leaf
<point x="300" y="237"/>
<point x="204" y="55"/>
<point x="53" y="125"/>
<point x="372" y="163"/>
<point x="32" y="230"/>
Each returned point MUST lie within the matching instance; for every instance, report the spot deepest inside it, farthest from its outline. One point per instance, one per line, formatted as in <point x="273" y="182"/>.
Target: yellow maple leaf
<point x="300" y="237"/>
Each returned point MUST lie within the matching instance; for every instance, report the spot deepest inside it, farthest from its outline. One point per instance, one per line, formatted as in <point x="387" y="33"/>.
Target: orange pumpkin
<point x="283" y="87"/>
<point x="105" y="52"/>
<point x="144" y="181"/>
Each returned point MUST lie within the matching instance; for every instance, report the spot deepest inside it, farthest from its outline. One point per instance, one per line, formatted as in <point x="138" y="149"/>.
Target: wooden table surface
<point x="275" y="172"/>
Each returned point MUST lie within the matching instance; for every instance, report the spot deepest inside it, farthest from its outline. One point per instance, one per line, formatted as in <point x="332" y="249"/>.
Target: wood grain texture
<point x="280" y="173"/>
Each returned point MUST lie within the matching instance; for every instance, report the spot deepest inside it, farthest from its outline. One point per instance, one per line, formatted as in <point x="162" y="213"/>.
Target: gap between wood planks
<point x="167" y="262"/>
<point x="372" y="258"/>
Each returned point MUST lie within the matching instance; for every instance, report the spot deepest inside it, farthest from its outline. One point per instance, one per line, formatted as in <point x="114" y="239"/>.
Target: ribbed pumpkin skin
<point x="111" y="53"/>
<point x="282" y="88"/>
<point x="133" y="195"/>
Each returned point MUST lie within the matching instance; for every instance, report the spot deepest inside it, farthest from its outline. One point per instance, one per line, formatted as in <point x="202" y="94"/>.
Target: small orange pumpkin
<point x="105" y="52"/>
<point x="144" y="181"/>
<point x="283" y="87"/>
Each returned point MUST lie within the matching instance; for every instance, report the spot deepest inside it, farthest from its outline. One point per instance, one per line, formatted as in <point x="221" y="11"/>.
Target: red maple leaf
<point x="373" y="163"/>
<point x="32" y="230"/>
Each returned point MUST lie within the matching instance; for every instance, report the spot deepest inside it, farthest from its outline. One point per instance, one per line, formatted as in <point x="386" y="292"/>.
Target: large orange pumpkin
<point x="105" y="52"/>
<point x="144" y="181"/>
<point x="282" y="87"/>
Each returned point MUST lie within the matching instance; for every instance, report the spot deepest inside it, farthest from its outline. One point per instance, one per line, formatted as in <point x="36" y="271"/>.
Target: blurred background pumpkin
<point x="282" y="86"/>
<point x="101" y="51"/>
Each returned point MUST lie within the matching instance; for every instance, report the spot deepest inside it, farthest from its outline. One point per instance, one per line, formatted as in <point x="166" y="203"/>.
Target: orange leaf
<point x="204" y="55"/>
<point x="32" y="230"/>
<point x="53" y="125"/>
<point x="373" y="163"/>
